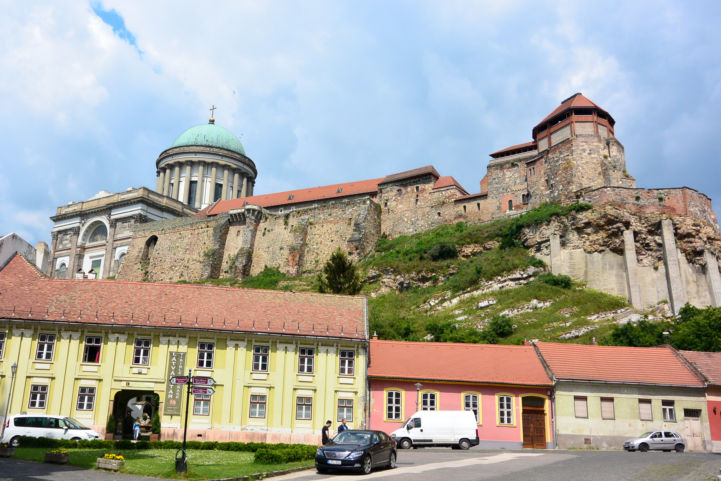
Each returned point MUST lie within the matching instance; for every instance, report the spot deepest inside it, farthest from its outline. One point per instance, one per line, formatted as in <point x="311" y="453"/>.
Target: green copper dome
<point x="209" y="135"/>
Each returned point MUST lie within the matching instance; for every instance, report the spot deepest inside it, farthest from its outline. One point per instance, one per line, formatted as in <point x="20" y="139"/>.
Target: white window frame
<point x="505" y="409"/>
<point x="306" y="355"/>
<point x="206" y="355"/>
<point x="429" y="401"/>
<point x="261" y="358"/>
<point x="668" y="408"/>
<point x="258" y="406"/>
<point x="394" y="406"/>
<point x="201" y="405"/>
<point x="46" y="347"/>
<point x="141" y="351"/>
<point x="471" y="402"/>
<point x="346" y="363"/>
<point x="345" y="409"/>
<point x="3" y="337"/>
<point x="304" y="408"/>
<point x="93" y="341"/>
<point x="38" y="398"/>
<point x="86" y="398"/>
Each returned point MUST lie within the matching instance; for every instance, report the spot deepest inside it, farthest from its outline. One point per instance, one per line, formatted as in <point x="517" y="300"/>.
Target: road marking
<point x="456" y="463"/>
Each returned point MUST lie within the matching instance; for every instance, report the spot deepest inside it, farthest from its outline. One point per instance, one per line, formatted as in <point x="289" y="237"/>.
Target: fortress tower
<point x="573" y="149"/>
<point x="206" y="163"/>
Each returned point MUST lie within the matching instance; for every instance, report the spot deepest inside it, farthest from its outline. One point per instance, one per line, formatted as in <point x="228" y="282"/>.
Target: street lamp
<point x="418" y="393"/>
<point x="13" y="370"/>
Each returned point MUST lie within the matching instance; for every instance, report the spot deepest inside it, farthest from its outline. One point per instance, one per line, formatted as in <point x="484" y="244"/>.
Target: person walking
<point x="136" y="430"/>
<point x="326" y="432"/>
<point x="342" y="427"/>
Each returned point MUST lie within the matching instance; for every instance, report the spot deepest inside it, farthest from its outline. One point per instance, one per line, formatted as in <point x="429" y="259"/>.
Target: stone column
<point x="236" y="179"/>
<point x="201" y="186"/>
<point x="213" y="174"/>
<point x="108" y="261"/>
<point x="676" y="289"/>
<point x="224" y="195"/>
<point x="713" y="279"/>
<point x="72" y="264"/>
<point x="252" y="188"/>
<point x="186" y="187"/>
<point x="555" y="253"/>
<point x="244" y="191"/>
<point x="166" y="180"/>
<point x="629" y="258"/>
<point x="176" y="181"/>
<point x="159" y="181"/>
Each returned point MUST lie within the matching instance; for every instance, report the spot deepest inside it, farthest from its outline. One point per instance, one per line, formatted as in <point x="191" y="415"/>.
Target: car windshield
<point x="350" y="437"/>
<point x="645" y="435"/>
<point x="73" y="424"/>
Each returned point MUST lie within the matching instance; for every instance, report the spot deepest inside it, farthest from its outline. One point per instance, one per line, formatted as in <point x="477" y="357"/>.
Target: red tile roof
<point x="409" y="174"/>
<point x="441" y="361"/>
<point x="515" y="147"/>
<point x="299" y="196"/>
<point x="708" y="363"/>
<point x="448" y="181"/>
<point x="633" y="365"/>
<point x="576" y="100"/>
<point x="27" y="294"/>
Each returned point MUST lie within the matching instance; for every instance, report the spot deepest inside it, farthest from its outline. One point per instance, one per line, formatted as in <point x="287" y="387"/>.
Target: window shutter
<point x="607" y="408"/>
<point x="580" y="407"/>
<point x="644" y="410"/>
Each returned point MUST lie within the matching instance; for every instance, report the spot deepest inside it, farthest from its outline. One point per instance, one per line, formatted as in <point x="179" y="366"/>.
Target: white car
<point x="662" y="440"/>
<point x="45" y="426"/>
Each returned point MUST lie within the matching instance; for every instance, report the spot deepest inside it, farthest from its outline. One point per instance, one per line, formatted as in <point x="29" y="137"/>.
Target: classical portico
<point x="206" y="163"/>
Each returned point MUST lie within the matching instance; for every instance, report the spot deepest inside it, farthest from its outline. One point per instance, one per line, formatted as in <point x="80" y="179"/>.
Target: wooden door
<point x="534" y="428"/>
<point x="694" y="434"/>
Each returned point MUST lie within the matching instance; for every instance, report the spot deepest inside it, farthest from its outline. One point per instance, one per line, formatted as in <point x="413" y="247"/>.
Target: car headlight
<point x="319" y="452"/>
<point x="355" y="455"/>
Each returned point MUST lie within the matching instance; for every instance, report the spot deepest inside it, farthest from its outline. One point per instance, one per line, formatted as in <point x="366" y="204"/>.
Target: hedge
<point x="277" y="454"/>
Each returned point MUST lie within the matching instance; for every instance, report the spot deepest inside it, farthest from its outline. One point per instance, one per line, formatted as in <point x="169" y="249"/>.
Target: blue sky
<point x="321" y="92"/>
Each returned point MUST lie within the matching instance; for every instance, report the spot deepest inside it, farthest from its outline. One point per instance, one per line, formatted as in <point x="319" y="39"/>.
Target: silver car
<point x="663" y="440"/>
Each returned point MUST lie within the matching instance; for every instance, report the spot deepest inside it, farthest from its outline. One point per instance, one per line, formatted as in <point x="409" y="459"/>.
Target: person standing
<point x="136" y="429"/>
<point x="326" y="432"/>
<point x="343" y="426"/>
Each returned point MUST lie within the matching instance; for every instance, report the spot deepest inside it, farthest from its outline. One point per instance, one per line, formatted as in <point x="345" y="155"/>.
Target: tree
<point x="339" y="275"/>
<point x="697" y="329"/>
<point x="641" y="334"/>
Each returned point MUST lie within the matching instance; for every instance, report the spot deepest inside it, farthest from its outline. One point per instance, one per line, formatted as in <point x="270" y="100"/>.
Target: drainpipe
<point x="554" y="418"/>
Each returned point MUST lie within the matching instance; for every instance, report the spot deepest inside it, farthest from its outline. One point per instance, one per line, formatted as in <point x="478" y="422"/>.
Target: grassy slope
<point x="396" y="315"/>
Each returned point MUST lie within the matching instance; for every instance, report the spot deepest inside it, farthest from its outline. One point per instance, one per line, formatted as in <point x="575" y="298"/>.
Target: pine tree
<point x="339" y="275"/>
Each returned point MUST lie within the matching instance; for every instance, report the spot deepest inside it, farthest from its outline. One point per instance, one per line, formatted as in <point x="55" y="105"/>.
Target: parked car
<point x="45" y="426"/>
<point x="457" y="429"/>
<point x="358" y="450"/>
<point x="663" y="440"/>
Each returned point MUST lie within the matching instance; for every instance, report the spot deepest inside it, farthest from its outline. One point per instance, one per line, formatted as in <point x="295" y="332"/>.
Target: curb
<point x="263" y="475"/>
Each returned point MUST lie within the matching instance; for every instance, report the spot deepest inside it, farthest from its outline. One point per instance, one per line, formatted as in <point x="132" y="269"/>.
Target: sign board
<point x="202" y="390"/>
<point x="203" y="381"/>
<point x="174" y="392"/>
<point x="179" y="380"/>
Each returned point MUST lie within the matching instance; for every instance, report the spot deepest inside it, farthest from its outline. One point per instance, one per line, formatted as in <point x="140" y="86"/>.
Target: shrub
<point x="110" y="425"/>
<point x="501" y="326"/>
<point x="542" y="213"/>
<point x="155" y="426"/>
<point x="562" y="281"/>
<point x="268" y="456"/>
<point x="284" y="453"/>
<point x="444" y="250"/>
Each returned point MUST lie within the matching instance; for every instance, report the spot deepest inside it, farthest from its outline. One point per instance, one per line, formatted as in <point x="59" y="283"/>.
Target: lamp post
<point x="13" y="370"/>
<point x="418" y="393"/>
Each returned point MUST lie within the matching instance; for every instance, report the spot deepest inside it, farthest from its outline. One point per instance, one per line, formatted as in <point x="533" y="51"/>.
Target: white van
<point x="438" y="428"/>
<point x="45" y="426"/>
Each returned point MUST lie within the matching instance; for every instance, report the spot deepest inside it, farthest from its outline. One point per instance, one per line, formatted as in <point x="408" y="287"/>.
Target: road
<point x="475" y="464"/>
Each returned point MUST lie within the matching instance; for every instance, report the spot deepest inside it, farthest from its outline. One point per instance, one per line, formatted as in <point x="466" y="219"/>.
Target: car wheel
<point x="405" y="443"/>
<point x="15" y="441"/>
<point x="464" y="444"/>
<point x="679" y="448"/>
<point x="643" y="447"/>
<point x="366" y="464"/>
<point x="392" y="462"/>
<point x="75" y="439"/>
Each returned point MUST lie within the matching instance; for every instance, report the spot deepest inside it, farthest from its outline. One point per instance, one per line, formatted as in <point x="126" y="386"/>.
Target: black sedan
<point x="358" y="450"/>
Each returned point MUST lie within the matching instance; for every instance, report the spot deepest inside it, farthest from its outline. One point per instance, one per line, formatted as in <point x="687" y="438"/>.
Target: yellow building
<point x="283" y="362"/>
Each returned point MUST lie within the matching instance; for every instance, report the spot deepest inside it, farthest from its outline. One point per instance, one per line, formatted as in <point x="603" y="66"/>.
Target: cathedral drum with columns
<point x="206" y="163"/>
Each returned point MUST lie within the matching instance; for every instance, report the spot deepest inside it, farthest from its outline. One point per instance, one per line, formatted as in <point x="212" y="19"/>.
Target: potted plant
<point x="111" y="461"/>
<point x="110" y="428"/>
<point x="155" y="427"/>
<point x="57" y="456"/>
<point x="6" y="451"/>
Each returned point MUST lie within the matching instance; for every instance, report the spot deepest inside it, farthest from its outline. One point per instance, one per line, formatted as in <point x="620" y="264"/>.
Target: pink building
<point x="505" y="386"/>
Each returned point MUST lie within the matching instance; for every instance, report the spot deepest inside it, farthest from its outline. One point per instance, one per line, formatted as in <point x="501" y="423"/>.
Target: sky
<point x="324" y="92"/>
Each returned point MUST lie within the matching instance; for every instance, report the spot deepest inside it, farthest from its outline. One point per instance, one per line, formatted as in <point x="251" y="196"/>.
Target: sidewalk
<point x="19" y="470"/>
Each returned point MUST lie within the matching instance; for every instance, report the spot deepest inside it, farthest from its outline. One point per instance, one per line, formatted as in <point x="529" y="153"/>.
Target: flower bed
<point x="111" y="461"/>
<point x="57" y="456"/>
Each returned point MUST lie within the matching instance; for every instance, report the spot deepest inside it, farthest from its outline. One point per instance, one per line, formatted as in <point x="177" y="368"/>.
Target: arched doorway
<point x="534" y="422"/>
<point x="129" y="405"/>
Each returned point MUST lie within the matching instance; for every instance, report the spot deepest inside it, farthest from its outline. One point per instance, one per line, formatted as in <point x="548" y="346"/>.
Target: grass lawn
<point x="202" y="464"/>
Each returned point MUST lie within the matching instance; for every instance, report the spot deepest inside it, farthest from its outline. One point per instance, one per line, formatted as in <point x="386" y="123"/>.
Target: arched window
<point x="121" y="258"/>
<point x="62" y="271"/>
<point x="149" y="247"/>
<point x="97" y="233"/>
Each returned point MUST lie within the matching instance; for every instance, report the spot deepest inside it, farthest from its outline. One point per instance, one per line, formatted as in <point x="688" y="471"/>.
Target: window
<point x="205" y="354"/>
<point x="100" y="233"/>
<point x="428" y="401"/>
<point x="91" y="351"/>
<point x="607" y="411"/>
<point x="347" y="363"/>
<point x="669" y="411"/>
<point x="46" y="344"/>
<point x="38" y="396"/>
<point x="345" y="410"/>
<point x="393" y="406"/>
<point x="141" y="355"/>
<point x="580" y="406"/>
<point x="691" y="413"/>
<point x="260" y="358"/>
<point x="257" y="405"/>
<point x="62" y="270"/>
<point x="201" y="405"/>
<point x="218" y="191"/>
<point x="505" y="410"/>
<point x="86" y="398"/>
<point x="400" y="192"/>
<point x="470" y="403"/>
<point x="2" y="344"/>
<point x="644" y="410"/>
<point x="305" y="360"/>
<point x="192" y="192"/>
<point x="303" y="407"/>
<point x="510" y="205"/>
